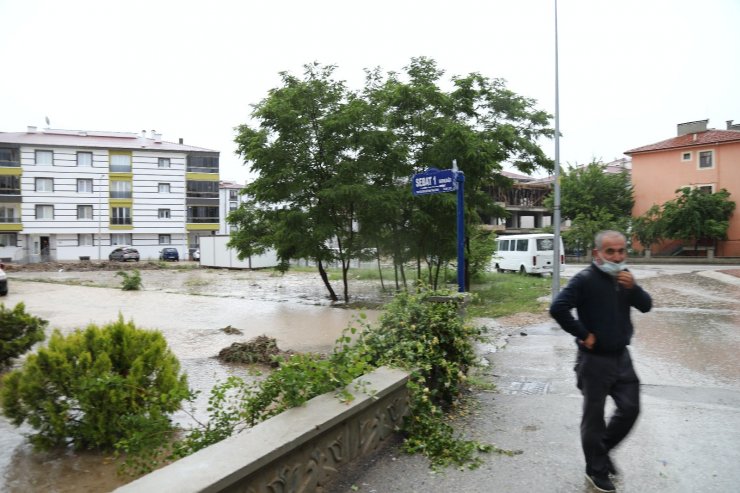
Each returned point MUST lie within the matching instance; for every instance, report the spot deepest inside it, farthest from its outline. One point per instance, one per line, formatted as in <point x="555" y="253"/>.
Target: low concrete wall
<point x="299" y="450"/>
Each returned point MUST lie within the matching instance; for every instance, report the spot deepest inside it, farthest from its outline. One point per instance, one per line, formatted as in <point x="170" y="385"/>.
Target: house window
<point x="120" y="163"/>
<point x="84" y="185"/>
<point x="120" y="189"/>
<point x="164" y="213"/>
<point x="84" y="159"/>
<point x="9" y="214"/>
<point x="232" y="206"/>
<point x="121" y="239"/>
<point x="164" y="188"/>
<point x="706" y="159"/>
<point x="8" y="239"/>
<point x="686" y="156"/>
<point x="10" y="185"/>
<point x="706" y="188"/>
<point x="233" y="194"/>
<point x="120" y="215"/>
<point x="45" y="157"/>
<point x="9" y="158"/>
<point x="85" y="212"/>
<point x="85" y="240"/>
<point x="202" y="214"/>
<point x="44" y="184"/>
<point x="44" y="211"/>
<point x="163" y="162"/>
<point x="165" y="239"/>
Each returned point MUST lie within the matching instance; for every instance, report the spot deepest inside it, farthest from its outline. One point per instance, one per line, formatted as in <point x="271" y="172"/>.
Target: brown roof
<point x="708" y="137"/>
<point x="110" y="140"/>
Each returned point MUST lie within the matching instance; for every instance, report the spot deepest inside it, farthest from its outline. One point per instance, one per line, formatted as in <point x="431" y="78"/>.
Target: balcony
<point x="10" y="220"/>
<point x="120" y="195"/>
<point x="120" y="168"/>
<point x="119" y="221"/>
<point x="202" y="220"/>
<point x="9" y="164"/>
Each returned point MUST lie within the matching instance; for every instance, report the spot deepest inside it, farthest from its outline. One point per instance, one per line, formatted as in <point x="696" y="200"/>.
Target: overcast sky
<point x="630" y="70"/>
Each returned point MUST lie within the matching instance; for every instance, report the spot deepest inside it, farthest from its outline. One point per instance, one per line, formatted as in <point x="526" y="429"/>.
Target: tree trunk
<point x="345" y="270"/>
<point x="325" y="278"/>
<point x="380" y="270"/>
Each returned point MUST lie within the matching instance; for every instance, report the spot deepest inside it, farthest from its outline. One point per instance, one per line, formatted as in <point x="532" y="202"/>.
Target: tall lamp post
<point x="556" y="202"/>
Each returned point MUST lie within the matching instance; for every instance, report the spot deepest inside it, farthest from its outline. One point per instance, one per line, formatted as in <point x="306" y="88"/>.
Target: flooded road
<point x="189" y="307"/>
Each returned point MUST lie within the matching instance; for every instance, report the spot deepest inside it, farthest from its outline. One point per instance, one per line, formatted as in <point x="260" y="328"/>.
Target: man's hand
<point x="626" y="279"/>
<point x="589" y="341"/>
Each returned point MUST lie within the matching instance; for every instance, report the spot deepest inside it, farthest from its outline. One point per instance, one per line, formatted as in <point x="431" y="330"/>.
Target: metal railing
<point x="9" y="164"/>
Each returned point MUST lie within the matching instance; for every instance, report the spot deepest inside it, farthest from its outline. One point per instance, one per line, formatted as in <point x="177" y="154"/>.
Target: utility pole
<point x="556" y="203"/>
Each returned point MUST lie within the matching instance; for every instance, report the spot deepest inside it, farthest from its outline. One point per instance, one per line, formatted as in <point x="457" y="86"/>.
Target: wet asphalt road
<point x="687" y="438"/>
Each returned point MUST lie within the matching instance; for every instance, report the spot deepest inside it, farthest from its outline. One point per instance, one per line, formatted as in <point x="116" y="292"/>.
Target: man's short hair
<point x="599" y="239"/>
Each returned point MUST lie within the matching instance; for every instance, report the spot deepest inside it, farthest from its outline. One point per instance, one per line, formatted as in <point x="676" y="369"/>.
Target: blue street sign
<point x="433" y="181"/>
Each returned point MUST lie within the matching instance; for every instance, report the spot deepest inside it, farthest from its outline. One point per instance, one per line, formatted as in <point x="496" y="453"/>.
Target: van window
<point x="544" y="244"/>
<point x="503" y="245"/>
<point x="522" y="245"/>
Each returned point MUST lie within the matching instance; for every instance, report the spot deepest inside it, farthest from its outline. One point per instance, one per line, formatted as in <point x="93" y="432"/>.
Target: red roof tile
<point x="707" y="137"/>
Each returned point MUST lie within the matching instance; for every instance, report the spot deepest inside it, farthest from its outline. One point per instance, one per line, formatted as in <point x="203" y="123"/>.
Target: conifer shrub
<point x="96" y="388"/>
<point x="131" y="281"/>
<point x="18" y="332"/>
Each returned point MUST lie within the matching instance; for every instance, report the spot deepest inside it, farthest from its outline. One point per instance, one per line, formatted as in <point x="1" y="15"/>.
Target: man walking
<point x="603" y="295"/>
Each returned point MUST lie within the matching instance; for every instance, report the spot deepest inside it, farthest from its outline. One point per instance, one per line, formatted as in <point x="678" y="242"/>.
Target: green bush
<point x="18" y="332"/>
<point x="132" y="281"/>
<point x="96" y="388"/>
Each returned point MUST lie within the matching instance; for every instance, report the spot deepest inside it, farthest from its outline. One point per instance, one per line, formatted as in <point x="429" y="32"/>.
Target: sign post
<point x="447" y="180"/>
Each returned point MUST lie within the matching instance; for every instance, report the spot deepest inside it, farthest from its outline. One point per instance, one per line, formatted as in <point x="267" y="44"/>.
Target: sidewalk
<point x="674" y="447"/>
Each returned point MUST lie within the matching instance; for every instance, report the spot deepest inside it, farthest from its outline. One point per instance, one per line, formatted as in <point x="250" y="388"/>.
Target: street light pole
<point x="556" y="202"/>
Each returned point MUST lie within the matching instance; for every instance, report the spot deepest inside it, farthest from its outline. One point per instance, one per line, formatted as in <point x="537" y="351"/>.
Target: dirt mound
<point x="82" y="266"/>
<point x="261" y="349"/>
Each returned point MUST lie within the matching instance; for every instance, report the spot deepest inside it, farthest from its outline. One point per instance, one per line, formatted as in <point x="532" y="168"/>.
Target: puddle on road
<point x="302" y="322"/>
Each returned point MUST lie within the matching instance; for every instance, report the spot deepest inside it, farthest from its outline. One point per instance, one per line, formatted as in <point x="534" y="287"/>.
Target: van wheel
<point x="522" y="270"/>
<point x="499" y="269"/>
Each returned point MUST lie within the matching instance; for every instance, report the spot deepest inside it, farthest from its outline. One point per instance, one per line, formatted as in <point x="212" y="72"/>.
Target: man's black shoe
<point x="610" y="467"/>
<point x="601" y="483"/>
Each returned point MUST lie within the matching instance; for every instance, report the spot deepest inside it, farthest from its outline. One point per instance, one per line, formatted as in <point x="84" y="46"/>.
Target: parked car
<point x="124" y="253"/>
<point x="169" y="254"/>
<point x="196" y="254"/>
<point x="3" y="281"/>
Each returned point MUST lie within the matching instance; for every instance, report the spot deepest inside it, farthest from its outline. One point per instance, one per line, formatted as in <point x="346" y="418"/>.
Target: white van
<point x="528" y="254"/>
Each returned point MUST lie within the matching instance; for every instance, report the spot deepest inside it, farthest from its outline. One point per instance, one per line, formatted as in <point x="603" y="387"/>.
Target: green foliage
<point x="594" y="201"/>
<point x="482" y="248"/>
<point x="649" y="227"/>
<point x="18" y="332"/>
<point x="131" y="281"/>
<point x="697" y="215"/>
<point x="97" y="388"/>
<point x="506" y="294"/>
<point x="330" y="159"/>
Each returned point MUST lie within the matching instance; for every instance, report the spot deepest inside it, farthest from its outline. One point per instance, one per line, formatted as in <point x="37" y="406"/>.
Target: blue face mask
<point x="611" y="268"/>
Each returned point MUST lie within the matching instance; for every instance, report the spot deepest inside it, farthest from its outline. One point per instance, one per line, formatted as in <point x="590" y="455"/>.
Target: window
<point x="232" y="206"/>
<point x="85" y="212"/>
<point x="8" y="239"/>
<point x="503" y="245"/>
<point x="45" y="157"/>
<point x="545" y="244"/>
<point x="84" y="159"/>
<point x="202" y="163"/>
<point x="522" y="245"/>
<point x="120" y="189"/>
<point x="202" y="189"/>
<point x="85" y="240"/>
<point x="202" y="214"/>
<point x="120" y="163"/>
<point x="686" y="156"/>
<point x="84" y="185"/>
<point x="44" y="184"/>
<point x="706" y="188"/>
<point x="10" y="185"/>
<point x="233" y="194"/>
<point x="164" y="213"/>
<point x="44" y="211"/>
<point x="165" y="239"/>
<point x="121" y="239"/>
<point x="120" y="215"/>
<point x="163" y="162"/>
<point x="9" y="158"/>
<point x="164" y="188"/>
<point x="706" y="159"/>
<point x="9" y="214"/>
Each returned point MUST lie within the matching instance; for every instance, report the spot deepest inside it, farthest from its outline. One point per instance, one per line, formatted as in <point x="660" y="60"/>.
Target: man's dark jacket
<point x="603" y="307"/>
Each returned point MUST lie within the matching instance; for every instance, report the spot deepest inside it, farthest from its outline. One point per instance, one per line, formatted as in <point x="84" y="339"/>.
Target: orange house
<point x="696" y="157"/>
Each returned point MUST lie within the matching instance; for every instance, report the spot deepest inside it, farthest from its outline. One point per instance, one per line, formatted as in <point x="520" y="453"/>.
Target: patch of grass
<point x="498" y="295"/>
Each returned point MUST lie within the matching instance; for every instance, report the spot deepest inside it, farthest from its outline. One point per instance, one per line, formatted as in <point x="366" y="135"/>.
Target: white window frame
<point x="43" y="179"/>
<point x="163" y="188"/>
<point x="705" y="185"/>
<point x="165" y="239"/>
<point x="685" y="159"/>
<point x="119" y="239"/>
<point x="164" y="213"/>
<point x="85" y="181"/>
<point x="85" y="239"/>
<point x="84" y="153"/>
<point x="36" y="154"/>
<point x="44" y="207"/>
<point x="121" y="216"/>
<point x="84" y="217"/>
<point x="164" y="162"/>
<point x="698" y="159"/>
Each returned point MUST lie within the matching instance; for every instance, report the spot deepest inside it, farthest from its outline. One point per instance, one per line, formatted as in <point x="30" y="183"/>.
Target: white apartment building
<point x="230" y="197"/>
<point x="70" y="194"/>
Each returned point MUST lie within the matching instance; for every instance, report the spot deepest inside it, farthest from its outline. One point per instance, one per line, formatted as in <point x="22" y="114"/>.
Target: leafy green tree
<point x="594" y="200"/>
<point x="19" y="331"/>
<point x="97" y="388"/>
<point x="695" y="215"/>
<point x="649" y="227"/>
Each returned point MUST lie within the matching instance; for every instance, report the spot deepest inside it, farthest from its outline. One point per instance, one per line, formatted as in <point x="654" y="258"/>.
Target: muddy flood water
<point x="189" y="307"/>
